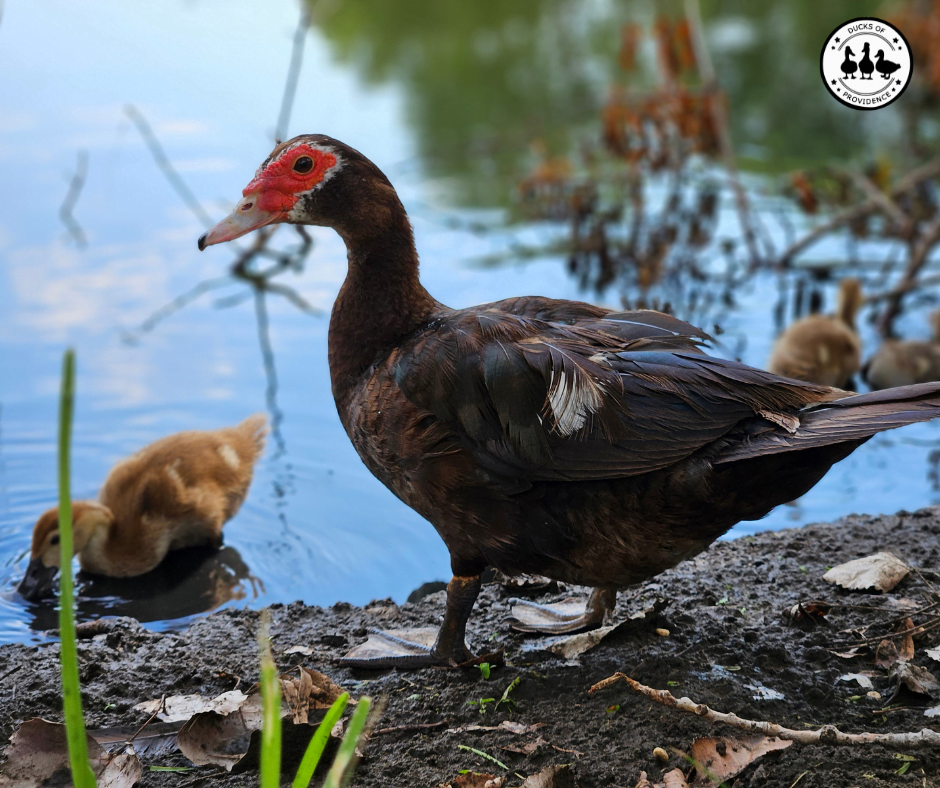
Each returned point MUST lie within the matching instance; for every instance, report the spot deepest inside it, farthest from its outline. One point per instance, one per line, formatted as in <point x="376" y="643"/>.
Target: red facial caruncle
<point x="273" y="192"/>
<point x="295" y="171"/>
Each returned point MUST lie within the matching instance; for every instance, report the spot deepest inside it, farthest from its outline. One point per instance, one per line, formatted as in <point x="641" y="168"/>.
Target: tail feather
<point x="852" y="419"/>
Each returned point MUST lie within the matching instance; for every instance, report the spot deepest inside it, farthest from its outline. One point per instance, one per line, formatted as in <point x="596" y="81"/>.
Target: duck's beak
<point x="37" y="582"/>
<point x="246" y="217"/>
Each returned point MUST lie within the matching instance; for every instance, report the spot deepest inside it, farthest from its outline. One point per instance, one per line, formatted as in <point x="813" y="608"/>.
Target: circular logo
<point x="866" y="63"/>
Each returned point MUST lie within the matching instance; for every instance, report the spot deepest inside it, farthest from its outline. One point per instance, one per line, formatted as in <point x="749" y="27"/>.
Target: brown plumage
<point x="176" y="492"/>
<point x="546" y="436"/>
<point x="822" y="349"/>
<point x="903" y="363"/>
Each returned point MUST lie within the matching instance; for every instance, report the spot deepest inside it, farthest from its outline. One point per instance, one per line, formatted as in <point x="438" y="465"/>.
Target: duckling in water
<point x="900" y="363"/>
<point x="177" y="492"/>
<point x="822" y="349"/>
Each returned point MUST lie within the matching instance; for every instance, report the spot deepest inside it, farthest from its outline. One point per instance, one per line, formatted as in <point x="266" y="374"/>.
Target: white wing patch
<point x="572" y="398"/>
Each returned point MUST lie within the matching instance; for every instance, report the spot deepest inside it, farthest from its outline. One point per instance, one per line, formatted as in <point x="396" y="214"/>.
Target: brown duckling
<point x="903" y="363"/>
<point x="177" y="492"/>
<point x="822" y="349"/>
<point x="542" y="436"/>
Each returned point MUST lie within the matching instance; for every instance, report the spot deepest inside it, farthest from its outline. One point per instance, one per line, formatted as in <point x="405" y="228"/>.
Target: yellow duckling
<point x="900" y="363"/>
<point x="822" y="349"/>
<point x="177" y="492"/>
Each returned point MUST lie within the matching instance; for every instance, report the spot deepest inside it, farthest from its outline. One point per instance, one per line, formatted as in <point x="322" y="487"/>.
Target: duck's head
<point x="311" y="179"/>
<point x="88" y="517"/>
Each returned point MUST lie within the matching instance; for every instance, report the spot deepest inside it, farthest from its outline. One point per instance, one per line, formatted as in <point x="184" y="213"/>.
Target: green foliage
<point x="271" y="705"/>
<point x="318" y="742"/>
<point x="82" y="775"/>
<point x="484" y="668"/>
<point x="345" y="762"/>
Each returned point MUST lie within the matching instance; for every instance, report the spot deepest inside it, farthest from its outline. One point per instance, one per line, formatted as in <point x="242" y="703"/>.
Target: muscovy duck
<point x="176" y="492"/>
<point x="538" y="435"/>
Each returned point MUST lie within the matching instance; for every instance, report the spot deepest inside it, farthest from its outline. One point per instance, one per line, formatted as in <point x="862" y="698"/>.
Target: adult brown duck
<point x="545" y="436"/>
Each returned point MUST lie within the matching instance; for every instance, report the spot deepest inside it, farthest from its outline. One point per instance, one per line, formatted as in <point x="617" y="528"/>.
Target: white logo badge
<point x="866" y="63"/>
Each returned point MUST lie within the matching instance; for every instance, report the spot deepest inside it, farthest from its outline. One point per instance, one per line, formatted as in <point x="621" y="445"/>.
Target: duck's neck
<point x="379" y="304"/>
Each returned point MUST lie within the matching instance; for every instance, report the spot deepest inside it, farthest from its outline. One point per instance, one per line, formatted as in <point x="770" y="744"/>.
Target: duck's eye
<point x="303" y="165"/>
<point x="54" y="540"/>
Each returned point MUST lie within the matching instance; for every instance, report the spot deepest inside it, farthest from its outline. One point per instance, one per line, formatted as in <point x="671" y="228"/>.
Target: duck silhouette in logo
<point x="885" y="67"/>
<point x="865" y="65"/>
<point x="849" y="67"/>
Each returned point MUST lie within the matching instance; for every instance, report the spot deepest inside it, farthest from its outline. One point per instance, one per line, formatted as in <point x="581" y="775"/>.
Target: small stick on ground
<point x="828" y="734"/>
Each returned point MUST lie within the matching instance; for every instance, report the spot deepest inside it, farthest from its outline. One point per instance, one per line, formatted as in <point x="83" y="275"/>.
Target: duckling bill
<point x="174" y="493"/>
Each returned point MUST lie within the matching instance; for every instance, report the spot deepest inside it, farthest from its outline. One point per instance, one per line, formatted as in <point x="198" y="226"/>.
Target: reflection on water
<point x="193" y="581"/>
<point x="451" y="100"/>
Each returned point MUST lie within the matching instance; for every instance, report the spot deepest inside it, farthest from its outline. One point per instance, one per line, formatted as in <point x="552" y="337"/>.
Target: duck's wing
<point x="600" y="396"/>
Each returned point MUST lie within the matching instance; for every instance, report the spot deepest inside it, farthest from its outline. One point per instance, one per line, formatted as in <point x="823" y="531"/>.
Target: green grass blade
<point x="271" y="704"/>
<point x="82" y="775"/>
<point x="318" y="743"/>
<point x="345" y="762"/>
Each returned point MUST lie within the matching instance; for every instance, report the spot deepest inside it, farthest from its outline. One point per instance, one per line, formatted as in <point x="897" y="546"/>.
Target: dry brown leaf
<point x="38" y="755"/>
<point x="886" y="655"/>
<point x="475" y="780"/>
<point x="863" y="681"/>
<point x="309" y="690"/>
<point x="724" y="757"/>
<point x="305" y="650"/>
<point x="551" y="777"/>
<point x="179" y="708"/>
<point x="528" y="748"/>
<point x="881" y="571"/>
<point x="917" y="679"/>
<point x="850" y="654"/>
<point x="644" y="781"/>
<point x="674" y="779"/>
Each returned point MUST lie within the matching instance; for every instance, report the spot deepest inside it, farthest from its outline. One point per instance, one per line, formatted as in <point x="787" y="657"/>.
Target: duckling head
<point x="88" y="518"/>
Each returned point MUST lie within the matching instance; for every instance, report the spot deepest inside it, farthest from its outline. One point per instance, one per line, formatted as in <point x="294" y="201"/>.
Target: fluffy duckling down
<point x="177" y="492"/>
<point x="822" y="349"/>
<point x="901" y="363"/>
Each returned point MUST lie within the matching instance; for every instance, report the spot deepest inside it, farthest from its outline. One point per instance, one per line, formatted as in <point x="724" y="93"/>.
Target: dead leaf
<point x="233" y="739"/>
<point x="674" y="779"/>
<point x="917" y="679"/>
<point x="881" y="571"/>
<point x="886" y="655"/>
<point x="934" y="712"/>
<point x="850" y="654"/>
<point x="933" y="653"/>
<point x="519" y="728"/>
<point x="475" y="780"/>
<point x="528" y="748"/>
<point x="724" y="758"/>
<point x="814" y="611"/>
<point x="305" y="650"/>
<point x="551" y="777"/>
<point x="38" y="755"/>
<point x="179" y="708"/>
<point x="154" y="742"/>
<point x="309" y="690"/>
<point x="863" y="681"/>
<point x="644" y="781"/>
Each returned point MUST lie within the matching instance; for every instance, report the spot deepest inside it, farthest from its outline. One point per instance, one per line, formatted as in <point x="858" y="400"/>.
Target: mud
<point x="730" y="645"/>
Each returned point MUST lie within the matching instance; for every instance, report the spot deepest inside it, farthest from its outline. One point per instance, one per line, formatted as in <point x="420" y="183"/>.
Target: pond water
<point x="445" y="97"/>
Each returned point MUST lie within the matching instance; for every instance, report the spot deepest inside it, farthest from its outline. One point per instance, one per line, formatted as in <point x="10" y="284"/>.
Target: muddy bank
<point x="729" y="646"/>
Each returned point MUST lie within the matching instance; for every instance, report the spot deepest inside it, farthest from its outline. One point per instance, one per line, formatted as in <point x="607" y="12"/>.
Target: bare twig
<point x="920" y="250"/>
<point x="888" y="206"/>
<point x="293" y="74"/>
<point x="155" y="713"/>
<point x="159" y="155"/>
<point x="71" y="198"/>
<point x="827" y="735"/>
<point x="722" y="125"/>
<point x="915" y="177"/>
<point x="175" y="306"/>
<point x="420" y="727"/>
<point x="270" y="370"/>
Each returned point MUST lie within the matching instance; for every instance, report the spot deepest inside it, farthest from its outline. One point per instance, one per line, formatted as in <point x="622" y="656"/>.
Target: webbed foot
<point x="569" y="615"/>
<point x="423" y="646"/>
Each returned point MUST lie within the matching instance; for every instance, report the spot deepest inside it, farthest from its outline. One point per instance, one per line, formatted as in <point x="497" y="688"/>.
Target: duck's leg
<point x="568" y="616"/>
<point x="422" y="647"/>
